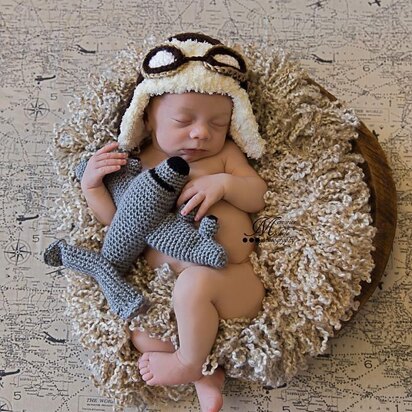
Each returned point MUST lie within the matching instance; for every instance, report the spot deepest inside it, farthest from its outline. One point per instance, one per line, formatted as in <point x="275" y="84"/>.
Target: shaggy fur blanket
<point x="315" y="233"/>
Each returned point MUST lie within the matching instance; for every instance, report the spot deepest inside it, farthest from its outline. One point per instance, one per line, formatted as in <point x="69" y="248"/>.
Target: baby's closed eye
<point x="220" y="124"/>
<point x="182" y="121"/>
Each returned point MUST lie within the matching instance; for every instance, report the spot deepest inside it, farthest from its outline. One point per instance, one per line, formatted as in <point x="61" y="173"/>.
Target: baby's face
<point x="190" y="125"/>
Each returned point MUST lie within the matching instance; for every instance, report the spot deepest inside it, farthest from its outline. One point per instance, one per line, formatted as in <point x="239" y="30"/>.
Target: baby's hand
<point x="204" y="191"/>
<point x="103" y="162"/>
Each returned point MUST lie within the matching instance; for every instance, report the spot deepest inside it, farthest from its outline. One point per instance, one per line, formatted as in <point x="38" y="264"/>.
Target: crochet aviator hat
<point x="193" y="63"/>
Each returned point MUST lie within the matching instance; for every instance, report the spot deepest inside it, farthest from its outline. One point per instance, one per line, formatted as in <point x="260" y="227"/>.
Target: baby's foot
<point x="209" y="391"/>
<point x="162" y="368"/>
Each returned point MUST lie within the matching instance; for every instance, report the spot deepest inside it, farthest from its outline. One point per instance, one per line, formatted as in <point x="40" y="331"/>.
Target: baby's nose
<point x="199" y="131"/>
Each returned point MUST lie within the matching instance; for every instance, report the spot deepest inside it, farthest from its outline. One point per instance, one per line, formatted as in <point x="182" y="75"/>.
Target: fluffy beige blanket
<point x="315" y="233"/>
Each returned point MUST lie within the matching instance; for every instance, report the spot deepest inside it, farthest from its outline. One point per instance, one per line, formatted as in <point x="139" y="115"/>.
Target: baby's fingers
<point x="110" y="161"/>
<point x="196" y="200"/>
<point x="108" y="148"/>
<point x="202" y="211"/>
<point x="111" y="155"/>
<point x="105" y="170"/>
<point x="108" y="152"/>
<point x="186" y="195"/>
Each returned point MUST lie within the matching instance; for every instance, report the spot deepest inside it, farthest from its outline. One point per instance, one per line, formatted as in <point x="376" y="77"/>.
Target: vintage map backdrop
<point x="360" y="50"/>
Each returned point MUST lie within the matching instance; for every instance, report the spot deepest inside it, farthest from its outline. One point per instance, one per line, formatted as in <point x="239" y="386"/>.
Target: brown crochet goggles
<point x="193" y="62"/>
<point x="166" y="60"/>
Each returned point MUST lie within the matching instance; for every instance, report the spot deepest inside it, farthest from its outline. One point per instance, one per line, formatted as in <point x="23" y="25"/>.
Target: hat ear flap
<point x="132" y="125"/>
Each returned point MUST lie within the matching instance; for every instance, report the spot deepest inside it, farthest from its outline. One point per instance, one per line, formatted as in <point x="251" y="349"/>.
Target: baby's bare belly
<point x="233" y="225"/>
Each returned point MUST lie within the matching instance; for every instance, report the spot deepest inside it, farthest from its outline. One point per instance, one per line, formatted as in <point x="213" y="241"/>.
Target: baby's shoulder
<point x="232" y="155"/>
<point x="231" y="150"/>
<point x="231" y="146"/>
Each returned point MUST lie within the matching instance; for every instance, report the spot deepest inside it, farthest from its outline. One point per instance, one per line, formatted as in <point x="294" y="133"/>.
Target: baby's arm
<point x="98" y="198"/>
<point x="244" y="188"/>
<point x="239" y="185"/>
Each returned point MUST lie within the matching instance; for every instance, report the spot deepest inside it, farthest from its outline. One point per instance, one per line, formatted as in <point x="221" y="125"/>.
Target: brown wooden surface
<point x="378" y="177"/>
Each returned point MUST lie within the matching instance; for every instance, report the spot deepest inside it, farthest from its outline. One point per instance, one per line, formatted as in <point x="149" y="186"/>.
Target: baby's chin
<point x="193" y="155"/>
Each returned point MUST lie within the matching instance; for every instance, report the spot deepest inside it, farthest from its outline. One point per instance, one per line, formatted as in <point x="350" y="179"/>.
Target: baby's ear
<point x="146" y="121"/>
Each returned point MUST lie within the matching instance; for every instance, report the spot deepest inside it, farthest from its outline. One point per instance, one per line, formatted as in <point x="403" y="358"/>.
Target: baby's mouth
<point x="193" y="151"/>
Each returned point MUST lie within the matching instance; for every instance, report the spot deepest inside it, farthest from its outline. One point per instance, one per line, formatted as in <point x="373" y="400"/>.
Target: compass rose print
<point x="36" y="109"/>
<point x="17" y="252"/>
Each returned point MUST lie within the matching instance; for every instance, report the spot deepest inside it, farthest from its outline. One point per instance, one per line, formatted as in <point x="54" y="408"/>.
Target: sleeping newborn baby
<point x="190" y="101"/>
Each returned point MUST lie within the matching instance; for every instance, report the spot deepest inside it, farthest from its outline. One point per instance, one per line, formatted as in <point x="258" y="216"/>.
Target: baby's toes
<point x="144" y="369"/>
<point x="143" y="360"/>
<point x="147" y="376"/>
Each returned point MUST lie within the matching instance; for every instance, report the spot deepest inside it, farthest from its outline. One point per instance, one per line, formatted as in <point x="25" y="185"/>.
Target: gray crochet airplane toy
<point x="143" y="217"/>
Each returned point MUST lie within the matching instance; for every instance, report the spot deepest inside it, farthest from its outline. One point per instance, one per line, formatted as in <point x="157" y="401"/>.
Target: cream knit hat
<point x="192" y="62"/>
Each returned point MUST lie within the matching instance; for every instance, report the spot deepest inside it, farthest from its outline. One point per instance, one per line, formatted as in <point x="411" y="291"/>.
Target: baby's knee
<point x="193" y="283"/>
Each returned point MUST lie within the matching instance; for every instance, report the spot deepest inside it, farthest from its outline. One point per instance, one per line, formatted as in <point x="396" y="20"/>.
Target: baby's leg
<point x="208" y="388"/>
<point x="197" y="320"/>
<point x="201" y="296"/>
<point x="144" y="343"/>
<point x="209" y="391"/>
